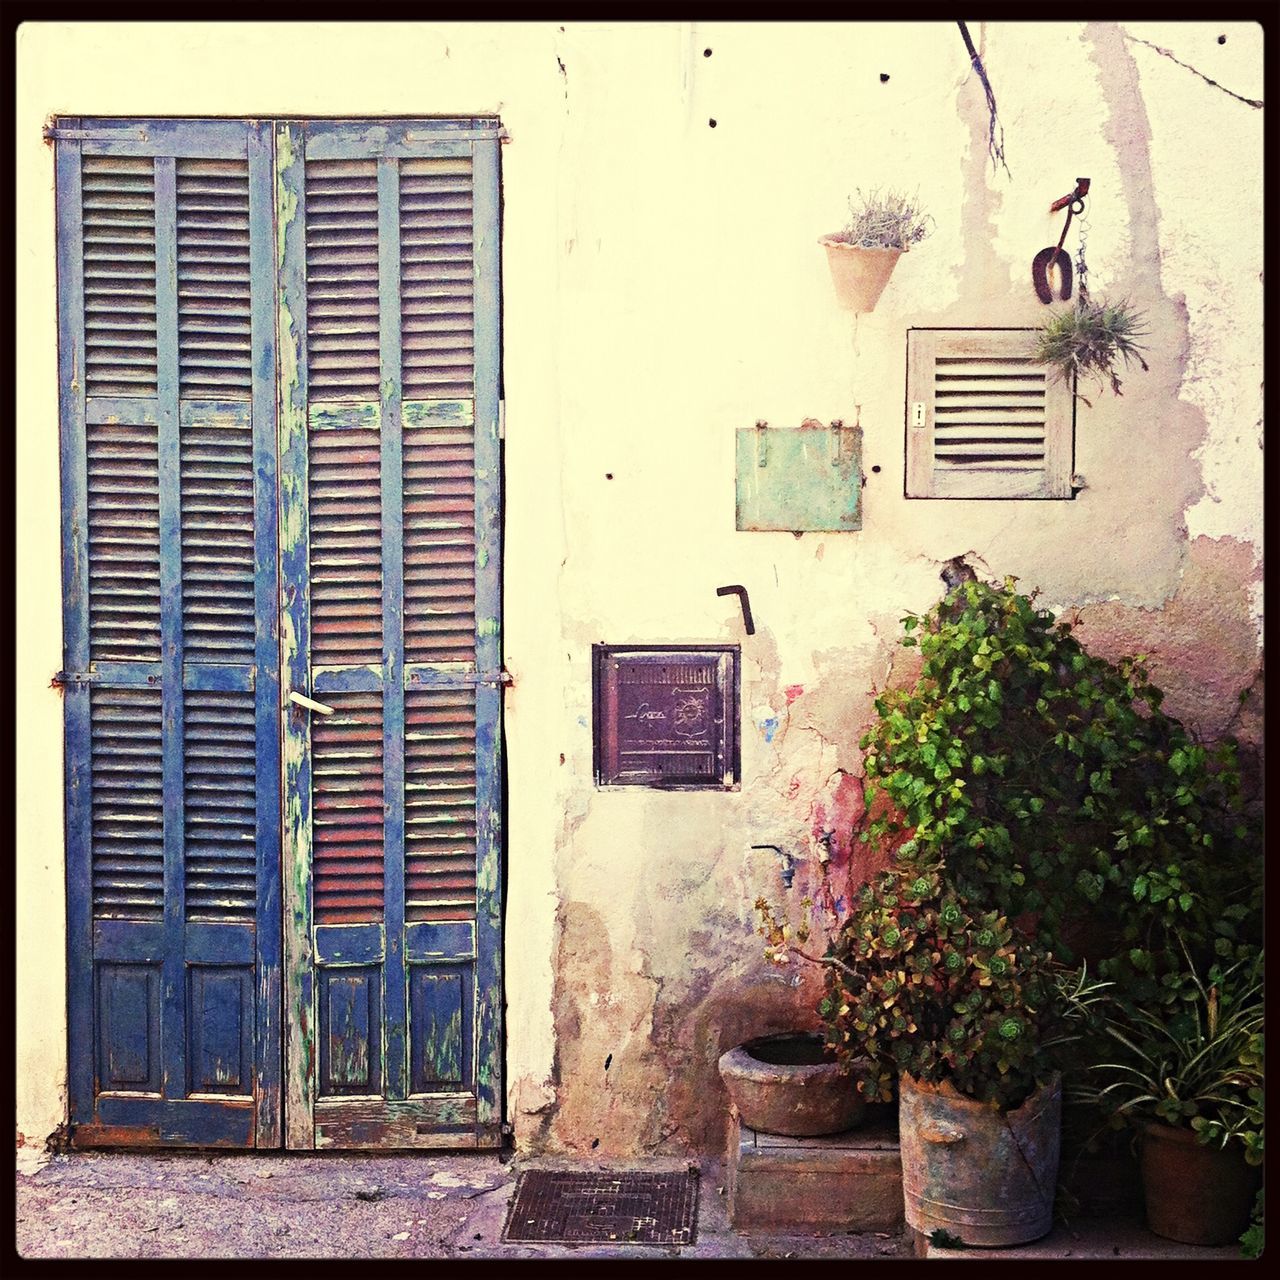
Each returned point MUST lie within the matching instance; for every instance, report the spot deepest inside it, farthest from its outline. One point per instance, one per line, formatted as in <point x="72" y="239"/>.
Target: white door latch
<point x="310" y="704"/>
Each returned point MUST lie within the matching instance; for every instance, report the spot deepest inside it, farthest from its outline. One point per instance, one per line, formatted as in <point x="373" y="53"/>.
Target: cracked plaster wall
<point x="662" y="287"/>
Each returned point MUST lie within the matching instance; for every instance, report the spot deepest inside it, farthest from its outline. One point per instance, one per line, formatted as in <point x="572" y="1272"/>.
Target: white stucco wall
<point x="663" y="286"/>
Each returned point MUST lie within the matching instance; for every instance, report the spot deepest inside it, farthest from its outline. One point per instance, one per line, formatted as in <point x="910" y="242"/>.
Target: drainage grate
<point x="605" y="1208"/>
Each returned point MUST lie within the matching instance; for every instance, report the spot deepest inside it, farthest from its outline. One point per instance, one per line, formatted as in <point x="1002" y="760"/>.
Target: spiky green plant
<point x="1089" y="338"/>
<point x="891" y="221"/>
<point x="1198" y="1062"/>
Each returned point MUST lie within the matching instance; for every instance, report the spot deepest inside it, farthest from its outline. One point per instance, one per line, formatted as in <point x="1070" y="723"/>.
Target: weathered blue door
<point x="390" y="517"/>
<point x="279" y="398"/>
<point x="168" y="405"/>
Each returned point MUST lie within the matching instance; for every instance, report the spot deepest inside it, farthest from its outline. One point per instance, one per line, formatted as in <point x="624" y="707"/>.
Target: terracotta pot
<point x="983" y="1175"/>
<point x="859" y="274"/>
<point x="788" y="1084"/>
<point x="1195" y="1194"/>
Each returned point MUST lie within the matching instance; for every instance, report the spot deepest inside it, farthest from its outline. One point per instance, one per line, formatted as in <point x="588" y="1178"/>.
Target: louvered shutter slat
<point x="347" y="810"/>
<point x="218" y="525"/>
<point x="346" y="547"/>
<point x="213" y="279"/>
<point x="124" y="543"/>
<point x="436" y="263"/>
<point x="119" y="254"/>
<point x="440" y="805"/>
<point x="439" y="544"/>
<point x="220" y="801"/>
<point x="127" y="804"/>
<point x="342" y="279"/>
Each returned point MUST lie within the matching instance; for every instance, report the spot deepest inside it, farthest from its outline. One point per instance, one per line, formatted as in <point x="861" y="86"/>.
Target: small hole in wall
<point x="884" y="77"/>
<point x="1222" y="39"/>
<point x="712" y="123"/>
<point x="706" y="53"/>
<point x="608" y="475"/>
<point x="595" y="1142"/>
<point x="876" y="469"/>
<point x="562" y="757"/>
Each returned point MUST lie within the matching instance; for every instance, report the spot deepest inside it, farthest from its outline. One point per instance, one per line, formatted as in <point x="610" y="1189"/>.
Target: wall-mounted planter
<point x="859" y="274"/>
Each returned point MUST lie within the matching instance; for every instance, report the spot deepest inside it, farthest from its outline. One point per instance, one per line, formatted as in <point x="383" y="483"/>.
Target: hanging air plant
<point x="1090" y="338"/>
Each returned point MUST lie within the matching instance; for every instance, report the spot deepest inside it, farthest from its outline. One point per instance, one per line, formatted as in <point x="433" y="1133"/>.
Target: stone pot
<point x="859" y="274"/>
<point x="1195" y="1194"/>
<point x="984" y="1175"/>
<point x="789" y="1084"/>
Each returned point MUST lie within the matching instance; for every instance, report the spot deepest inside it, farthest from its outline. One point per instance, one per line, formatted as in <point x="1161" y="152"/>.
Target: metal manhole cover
<point x="605" y="1208"/>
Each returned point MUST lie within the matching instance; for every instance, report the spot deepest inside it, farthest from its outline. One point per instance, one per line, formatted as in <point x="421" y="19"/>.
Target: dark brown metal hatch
<point x="666" y="716"/>
<point x="604" y="1207"/>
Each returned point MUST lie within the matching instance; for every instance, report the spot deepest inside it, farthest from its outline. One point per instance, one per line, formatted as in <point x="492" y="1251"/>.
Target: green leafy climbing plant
<point x="1054" y="789"/>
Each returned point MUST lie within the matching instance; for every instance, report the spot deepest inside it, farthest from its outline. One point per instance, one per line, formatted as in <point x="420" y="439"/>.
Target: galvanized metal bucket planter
<point x="1195" y="1194"/>
<point x="985" y="1176"/>
<point x="787" y="1084"/>
<point x="859" y="274"/>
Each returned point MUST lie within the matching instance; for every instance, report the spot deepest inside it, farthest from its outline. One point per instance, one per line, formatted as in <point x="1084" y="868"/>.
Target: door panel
<point x="170" y="634"/>
<point x="390" y="496"/>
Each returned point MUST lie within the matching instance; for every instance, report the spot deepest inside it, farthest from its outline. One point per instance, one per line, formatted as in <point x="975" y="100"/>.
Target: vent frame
<point x="1005" y="428"/>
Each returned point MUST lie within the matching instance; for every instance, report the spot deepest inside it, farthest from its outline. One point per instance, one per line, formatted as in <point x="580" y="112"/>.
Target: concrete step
<point x="1092" y="1238"/>
<point x="842" y="1182"/>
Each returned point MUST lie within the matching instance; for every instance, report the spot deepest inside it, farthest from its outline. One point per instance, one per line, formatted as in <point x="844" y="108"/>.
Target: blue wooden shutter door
<point x="389" y="345"/>
<point x="171" y="644"/>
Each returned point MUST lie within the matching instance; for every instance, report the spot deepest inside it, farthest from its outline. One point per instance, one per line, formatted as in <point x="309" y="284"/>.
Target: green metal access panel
<point x="806" y="478"/>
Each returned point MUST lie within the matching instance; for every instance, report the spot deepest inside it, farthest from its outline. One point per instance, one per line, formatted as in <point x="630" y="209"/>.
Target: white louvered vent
<point x="218" y="618"/>
<point x="127" y="804"/>
<point x="437" y="279"/>
<point x="983" y="420"/>
<point x="124" y="542"/>
<point x="219" y="805"/>
<point x="440" y="804"/>
<point x="119" y="212"/>
<point x="346" y="547"/>
<point x="988" y="413"/>
<point x="214" y="354"/>
<point x="342" y="280"/>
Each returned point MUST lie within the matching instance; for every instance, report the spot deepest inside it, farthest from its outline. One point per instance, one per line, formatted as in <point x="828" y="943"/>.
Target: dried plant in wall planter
<point x="1090" y="338"/>
<point x="863" y="253"/>
<point x="889" y="221"/>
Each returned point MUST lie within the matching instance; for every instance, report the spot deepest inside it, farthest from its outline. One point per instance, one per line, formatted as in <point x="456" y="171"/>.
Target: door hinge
<point x="63" y="678"/>
<point x="55" y="133"/>
<point x="502" y="419"/>
<point x="502" y="677"/>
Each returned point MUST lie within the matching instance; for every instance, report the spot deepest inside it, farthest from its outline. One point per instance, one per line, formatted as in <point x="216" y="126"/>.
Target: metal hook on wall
<point x="1048" y="259"/>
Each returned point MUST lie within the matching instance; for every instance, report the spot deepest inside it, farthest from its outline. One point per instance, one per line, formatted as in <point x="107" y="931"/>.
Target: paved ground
<point x="187" y="1205"/>
<point x="171" y="1205"/>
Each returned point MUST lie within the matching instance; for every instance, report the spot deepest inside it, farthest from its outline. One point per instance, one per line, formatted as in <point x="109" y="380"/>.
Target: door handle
<point x="310" y="704"/>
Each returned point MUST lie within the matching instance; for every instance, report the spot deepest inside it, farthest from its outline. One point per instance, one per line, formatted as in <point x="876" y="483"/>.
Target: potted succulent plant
<point x="863" y="254"/>
<point x="1188" y="1072"/>
<point x="1089" y="338"/>
<point x="971" y="1018"/>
